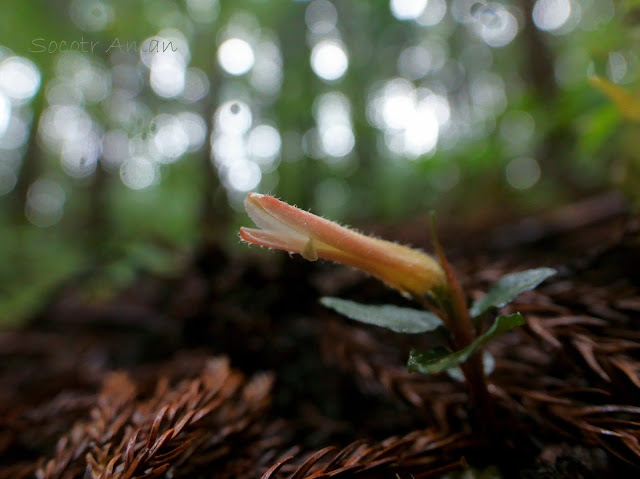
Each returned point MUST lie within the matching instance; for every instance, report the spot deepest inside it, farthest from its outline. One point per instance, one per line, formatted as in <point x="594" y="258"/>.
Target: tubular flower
<point x="291" y="229"/>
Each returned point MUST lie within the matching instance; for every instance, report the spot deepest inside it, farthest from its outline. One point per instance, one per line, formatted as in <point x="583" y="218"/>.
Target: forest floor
<point x="229" y="367"/>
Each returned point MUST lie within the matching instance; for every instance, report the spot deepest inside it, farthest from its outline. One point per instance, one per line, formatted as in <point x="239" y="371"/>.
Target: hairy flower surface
<point x="291" y="229"/>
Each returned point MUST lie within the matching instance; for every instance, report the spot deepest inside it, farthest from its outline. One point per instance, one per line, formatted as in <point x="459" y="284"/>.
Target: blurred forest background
<point x="133" y="129"/>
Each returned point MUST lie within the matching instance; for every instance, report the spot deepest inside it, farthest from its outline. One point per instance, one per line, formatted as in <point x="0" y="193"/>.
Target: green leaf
<point x="395" y="318"/>
<point x="627" y="103"/>
<point x="510" y="286"/>
<point x="435" y="361"/>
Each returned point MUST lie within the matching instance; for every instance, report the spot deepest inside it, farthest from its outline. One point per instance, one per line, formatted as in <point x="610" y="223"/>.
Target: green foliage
<point x="438" y="360"/>
<point x="395" y="318"/>
<point x="410" y="321"/>
<point x="510" y="286"/>
<point x="574" y="134"/>
<point x="46" y="259"/>
<point x="597" y="129"/>
<point x="626" y="102"/>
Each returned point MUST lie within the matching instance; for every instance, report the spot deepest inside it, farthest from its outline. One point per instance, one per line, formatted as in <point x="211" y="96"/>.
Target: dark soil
<point x="230" y="368"/>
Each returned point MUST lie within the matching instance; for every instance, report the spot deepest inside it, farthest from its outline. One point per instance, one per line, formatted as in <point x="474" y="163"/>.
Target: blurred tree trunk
<point x="210" y="183"/>
<point x="538" y="70"/>
<point x="97" y="221"/>
<point x="538" y="59"/>
<point x="30" y="168"/>
<point x="215" y="214"/>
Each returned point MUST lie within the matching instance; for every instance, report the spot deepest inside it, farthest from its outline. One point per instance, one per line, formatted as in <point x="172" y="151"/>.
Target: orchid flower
<point x="291" y="229"/>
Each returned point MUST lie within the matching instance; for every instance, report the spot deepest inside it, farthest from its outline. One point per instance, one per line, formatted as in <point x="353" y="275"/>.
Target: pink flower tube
<point x="291" y="229"/>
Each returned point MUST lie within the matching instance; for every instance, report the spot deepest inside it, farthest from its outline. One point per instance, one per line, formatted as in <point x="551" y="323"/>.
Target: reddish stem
<point x="459" y="322"/>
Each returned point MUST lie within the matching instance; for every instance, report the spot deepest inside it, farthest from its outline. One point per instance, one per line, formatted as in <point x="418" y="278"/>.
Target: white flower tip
<point x="250" y="199"/>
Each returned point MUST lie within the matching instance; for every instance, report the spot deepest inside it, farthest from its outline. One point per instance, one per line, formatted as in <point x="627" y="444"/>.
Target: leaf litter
<point x="230" y="368"/>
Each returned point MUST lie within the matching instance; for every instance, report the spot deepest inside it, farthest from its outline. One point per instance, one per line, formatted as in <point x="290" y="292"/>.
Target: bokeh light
<point x="195" y="127"/>
<point x="551" y="15"/>
<point x="410" y="118"/>
<point x="417" y="61"/>
<point x="80" y="79"/>
<point x="203" y="11"/>
<point x="16" y="133"/>
<point x="495" y="24"/>
<point x="170" y="140"/>
<point x="433" y="13"/>
<point x="337" y="140"/>
<point x="241" y="151"/>
<point x="236" y="56"/>
<point x="5" y="113"/>
<point x="266" y="74"/>
<point x="407" y="9"/>
<point x="79" y="159"/>
<point x="124" y="110"/>
<point x="233" y="117"/>
<point x="243" y="176"/>
<point x="335" y="137"/>
<point x="329" y="60"/>
<point x="115" y="148"/>
<point x="522" y="173"/>
<point x="45" y="203"/>
<point x="321" y="17"/>
<point x="19" y="79"/>
<point x="8" y="179"/>
<point x="264" y="145"/>
<point x="167" y="77"/>
<point x="196" y="85"/>
<point x="60" y="92"/>
<point x="64" y="124"/>
<point x="617" y="67"/>
<point x="516" y="131"/>
<point x="488" y="94"/>
<point x="167" y="56"/>
<point x="596" y="14"/>
<point x="227" y="149"/>
<point x="138" y="172"/>
<point x="127" y="77"/>
<point x="92" y="15"/>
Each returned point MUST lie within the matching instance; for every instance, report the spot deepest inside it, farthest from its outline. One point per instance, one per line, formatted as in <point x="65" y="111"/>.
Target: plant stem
<point x="473" y="369"/>
<point x="482" y="404"/>
<point x="459" y="322"/>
